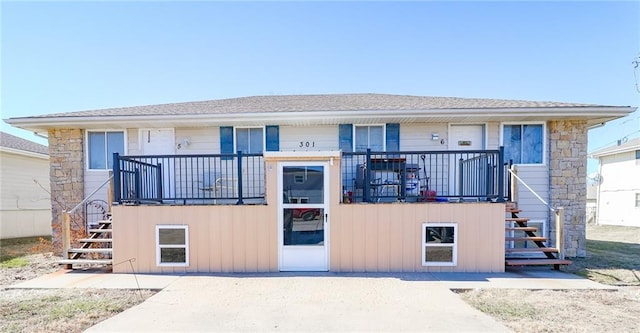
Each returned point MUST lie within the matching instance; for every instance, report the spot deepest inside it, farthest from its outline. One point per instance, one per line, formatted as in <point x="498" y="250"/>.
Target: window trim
<point x="544" y="139"/>
<point x="185" y="227"/>
<point x="454" y="245"/>
<point x="384" y="135"/>
<point x="638" y="200"/>
<point x="235" y="137"/>
<point x="86" y="145"/>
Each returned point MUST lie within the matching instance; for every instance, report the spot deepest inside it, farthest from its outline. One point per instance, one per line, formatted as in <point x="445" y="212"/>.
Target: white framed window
<point x="369" y="136"/>
<point x="172" y="245"/>
<point x="100" y="148"/>
<point x="439" y="244"/>
<point x="250" y="140"/>
<point x="524" y="143"/>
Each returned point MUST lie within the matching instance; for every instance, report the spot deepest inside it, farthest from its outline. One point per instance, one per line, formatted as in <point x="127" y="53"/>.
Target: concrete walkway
<point x="307" y="302"/>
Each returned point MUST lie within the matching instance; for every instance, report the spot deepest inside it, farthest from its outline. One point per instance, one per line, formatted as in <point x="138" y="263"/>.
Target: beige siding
<point x="202" y="140"/>
<point x="537" y="177"/>
<point x="25" y="207"/>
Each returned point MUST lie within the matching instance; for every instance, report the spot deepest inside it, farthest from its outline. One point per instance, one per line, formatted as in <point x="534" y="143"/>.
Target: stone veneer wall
<point x="66" y="156"/>
<point x="568" y="181"/>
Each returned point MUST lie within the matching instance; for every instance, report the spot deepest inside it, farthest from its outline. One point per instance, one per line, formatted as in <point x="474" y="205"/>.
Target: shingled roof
<point x="14" y="142"/>
<point x="621" y="147"/>
<point x="309" y="103"/>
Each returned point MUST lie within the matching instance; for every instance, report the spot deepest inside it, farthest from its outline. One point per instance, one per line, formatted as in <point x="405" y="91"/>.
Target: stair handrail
<point x="558" y="212"/>
<point x="66" y="218"/>
<point x="531" y="190"/>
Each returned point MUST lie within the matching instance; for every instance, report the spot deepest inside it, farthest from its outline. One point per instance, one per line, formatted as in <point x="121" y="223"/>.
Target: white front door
<point x="161" y="142"/>
<point x="463" y="137"/>
<point x="303" y="216"/>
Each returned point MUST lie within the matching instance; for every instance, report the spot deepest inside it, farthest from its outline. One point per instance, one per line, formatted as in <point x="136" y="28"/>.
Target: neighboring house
<point x="25" y="207"/>
<point x="393" y="182"/>
<point x="618" y="199"/>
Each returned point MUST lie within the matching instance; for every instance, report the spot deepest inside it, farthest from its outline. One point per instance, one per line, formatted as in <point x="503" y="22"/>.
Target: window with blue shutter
<point x="273" y="137"/>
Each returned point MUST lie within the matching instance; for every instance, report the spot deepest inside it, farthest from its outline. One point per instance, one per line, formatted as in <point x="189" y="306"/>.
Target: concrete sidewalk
<point x="307" y="301"/>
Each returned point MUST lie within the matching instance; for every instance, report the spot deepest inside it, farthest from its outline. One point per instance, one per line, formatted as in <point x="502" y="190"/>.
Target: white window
<point x="101" y="146"/>
<point x="172" y="245"/>
<point x="523" y="143"/>
<point x="370" y="136"/>
<point x="439" y="244"/>
<point x="250" y="140"/>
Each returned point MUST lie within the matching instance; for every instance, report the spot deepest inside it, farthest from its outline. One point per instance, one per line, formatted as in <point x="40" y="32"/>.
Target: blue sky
<point x="69" y="56"/>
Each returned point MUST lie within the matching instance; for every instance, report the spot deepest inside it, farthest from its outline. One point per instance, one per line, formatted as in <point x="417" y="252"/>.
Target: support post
<point x="461" y="178"/>
<point x="240" y="201"/>
<point x="560" y="232"/>
<point x="110" y="193"/>
<point x="367" y="178"/>
<point x="117" y="193"/>
<point x="514" y="183"/>
<point x="66" y="235"/>
<point x="501" y="175"/>
<point x="159" y="184"/>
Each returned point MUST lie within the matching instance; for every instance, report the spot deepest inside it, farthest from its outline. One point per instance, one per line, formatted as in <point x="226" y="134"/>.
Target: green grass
<point x="14" y="263"/>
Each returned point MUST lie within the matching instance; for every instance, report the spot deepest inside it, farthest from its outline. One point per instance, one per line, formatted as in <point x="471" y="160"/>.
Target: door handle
<point x="326" y="217"/>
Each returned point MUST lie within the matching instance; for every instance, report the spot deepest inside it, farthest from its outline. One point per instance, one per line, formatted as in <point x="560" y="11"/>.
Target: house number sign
<point x="307" y="144"/>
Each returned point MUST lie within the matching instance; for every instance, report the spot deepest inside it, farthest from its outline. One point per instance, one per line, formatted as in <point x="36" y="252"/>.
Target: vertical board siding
<point x="221" y="238"/>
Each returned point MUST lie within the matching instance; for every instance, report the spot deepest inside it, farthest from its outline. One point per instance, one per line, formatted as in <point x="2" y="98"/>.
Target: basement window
<point x="172" y="245"/>
<point x="439" y="244"/>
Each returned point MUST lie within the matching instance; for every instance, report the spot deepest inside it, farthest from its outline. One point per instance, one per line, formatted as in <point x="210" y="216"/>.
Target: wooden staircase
<point x="541" y="254"/>
<point x="96" y="250"/>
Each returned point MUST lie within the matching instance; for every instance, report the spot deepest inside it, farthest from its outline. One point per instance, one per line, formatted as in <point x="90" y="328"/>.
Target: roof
<point x="16" y="143"/>
<point x="302" y="103"/>
<point x="322" y="109"/>
<point x="630" y="145"/>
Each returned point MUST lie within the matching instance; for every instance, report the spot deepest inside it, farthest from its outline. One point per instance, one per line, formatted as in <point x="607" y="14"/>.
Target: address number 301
<point x="307" y="144"/>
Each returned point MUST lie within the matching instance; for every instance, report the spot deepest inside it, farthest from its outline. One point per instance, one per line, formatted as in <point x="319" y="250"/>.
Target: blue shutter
<point x="393" y="137"/>
<point x="226" y="141"/>
<point x="346" y="137"/>
<point x="273" y="137"/>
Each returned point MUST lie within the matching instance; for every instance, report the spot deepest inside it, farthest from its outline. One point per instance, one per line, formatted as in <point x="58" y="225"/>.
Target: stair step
<point x="531" y="249"/>
<point x="100" y="230"/>
<point x="534" y="229"/>
<point x="516" y="219"/>
<point x="85" y="261"/>
<point x="525" y="262"/>
<point x="95" y="240"/>
<point x="91" y="250"/>
<point x="533" y="239"/>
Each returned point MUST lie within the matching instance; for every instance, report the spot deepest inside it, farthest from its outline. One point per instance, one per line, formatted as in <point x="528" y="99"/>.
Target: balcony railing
<point x="415" y="176"/>
<point x="189" y="179"/>
<point x="424" y="176"/>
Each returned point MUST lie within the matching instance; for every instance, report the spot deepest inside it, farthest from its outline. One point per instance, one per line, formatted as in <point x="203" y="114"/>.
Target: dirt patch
<point x="613" y="259"/>
<point x="52" y="310"/>
<point x="560" y="311"/>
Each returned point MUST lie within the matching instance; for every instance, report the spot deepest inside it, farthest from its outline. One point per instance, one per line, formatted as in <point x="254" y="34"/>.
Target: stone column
<point x="66" y="156"/>
<point x="568" y="181"/>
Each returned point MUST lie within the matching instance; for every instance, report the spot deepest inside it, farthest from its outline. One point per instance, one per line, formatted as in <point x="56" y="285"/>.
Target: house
<point x="25" y="207"/>
<point x="393" y="182"/>
<point x="618" y="196"/>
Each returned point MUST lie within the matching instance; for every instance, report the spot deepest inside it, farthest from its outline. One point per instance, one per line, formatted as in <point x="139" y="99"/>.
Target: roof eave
<point x="595" y="115"/>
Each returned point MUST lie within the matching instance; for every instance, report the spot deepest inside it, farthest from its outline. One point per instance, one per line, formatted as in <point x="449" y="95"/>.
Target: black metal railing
<point x="422" y="176"/>
<point x="189" y="179"/>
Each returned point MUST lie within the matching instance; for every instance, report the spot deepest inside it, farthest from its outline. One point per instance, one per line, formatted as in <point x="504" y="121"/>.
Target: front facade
<point x="25" y="206"/>
<point x="618" y="198"/>
<point x="361" y="182"/>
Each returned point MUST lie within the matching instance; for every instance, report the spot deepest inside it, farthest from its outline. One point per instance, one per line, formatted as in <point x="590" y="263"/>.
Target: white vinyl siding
<point x="618" y="190"/>
<point x="295" y="138"/>
<point x="537" y="177"/>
